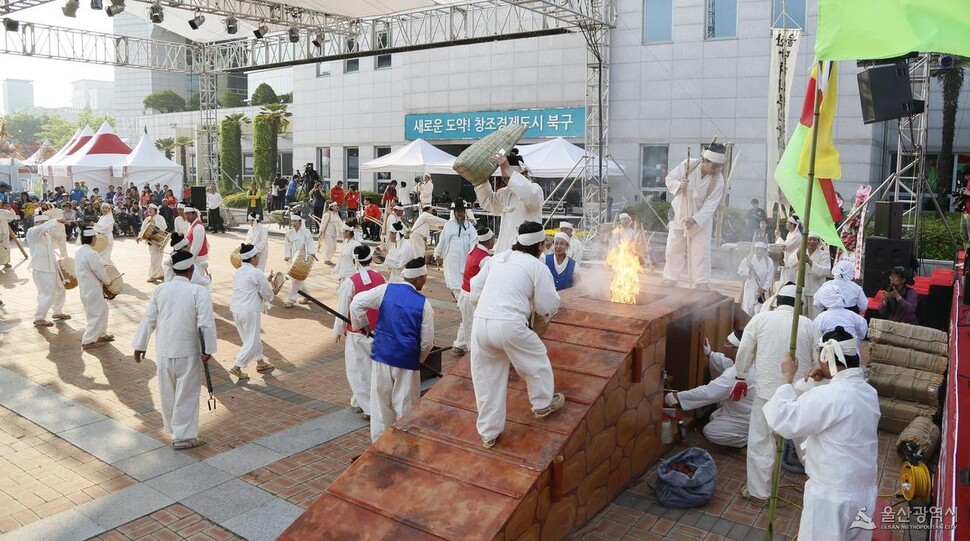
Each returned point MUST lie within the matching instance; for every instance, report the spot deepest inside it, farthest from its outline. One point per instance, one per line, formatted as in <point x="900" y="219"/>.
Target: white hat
<point x="624" y="216"/>
<point x="561" y="235"/>
<point x="153" y="206"/>
<point x="296" y="218"/>
<point x="787" y="291"/>
<point x="814" y="235"/>
<point x="565" y="225"/>
<point x="761" y="244"/>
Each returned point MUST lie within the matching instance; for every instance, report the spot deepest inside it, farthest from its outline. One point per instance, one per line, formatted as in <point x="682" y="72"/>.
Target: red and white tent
<point x="147" y="165"/>
<point x="73" y="145"/>
<point x="93" y="162"/>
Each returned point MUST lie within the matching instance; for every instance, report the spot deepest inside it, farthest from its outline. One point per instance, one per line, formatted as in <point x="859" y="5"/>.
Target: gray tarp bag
<point x="676" y="490"/>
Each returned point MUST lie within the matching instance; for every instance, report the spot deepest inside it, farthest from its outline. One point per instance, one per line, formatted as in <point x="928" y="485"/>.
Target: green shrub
<point x="934" y="242"/>
<point x="238" y="200"/>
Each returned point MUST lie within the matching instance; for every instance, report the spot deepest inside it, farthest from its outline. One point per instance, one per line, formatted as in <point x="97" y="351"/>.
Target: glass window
<point x="382" y="61"/>
<point x="722" y="19"/>
<point x="352" y="65"/>
<point x="323" y="162"/>
<point x="352" y="158"/>
<point x="657" y="16"/>
<point x="378" y="152"/>
<point x="794" y="11"/>
<point x="323" y="69"/>
<point x="247" y="165"/>
<point x="653" y="167"/>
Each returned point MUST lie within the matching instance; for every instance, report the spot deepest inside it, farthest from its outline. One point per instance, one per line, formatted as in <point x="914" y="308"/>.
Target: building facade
<point x="98" y="96"/>
<point x="18" y="95"/>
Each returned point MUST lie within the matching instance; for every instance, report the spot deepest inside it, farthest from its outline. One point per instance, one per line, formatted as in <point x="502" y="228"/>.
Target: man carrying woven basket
<point x="518" y="201"/>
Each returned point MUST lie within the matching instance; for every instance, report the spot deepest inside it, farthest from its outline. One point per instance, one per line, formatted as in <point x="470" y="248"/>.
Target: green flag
<point x="869" y="29"/>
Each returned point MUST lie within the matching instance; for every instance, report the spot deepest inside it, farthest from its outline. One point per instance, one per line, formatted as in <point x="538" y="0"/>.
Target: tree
<point x="164" y="101"/>
<point x="273" y="120"/>
<point x="166" y="145"/>
<point x="58" y="130"/>
<point x="951" y="79"/>
<point x="264" y="95"/>
<point x="182" y="143"/>
<point x="230" y="148"/>
<point x="194" y="102"/>
<point x="24" y="127"/>
<point x="286" y="98"/>
<point x="228" y="98"/>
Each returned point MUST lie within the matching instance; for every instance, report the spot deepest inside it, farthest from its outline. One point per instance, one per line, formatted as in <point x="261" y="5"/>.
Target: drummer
<point x="91" y="279"/>
<point x="298" y="239"/>
<point x="155" y="248"/>
<point x="250" y="289"/>
<point x="198" y="244"/>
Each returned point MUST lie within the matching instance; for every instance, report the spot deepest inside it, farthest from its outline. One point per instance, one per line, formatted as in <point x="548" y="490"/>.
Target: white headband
<point x="833" y="350"/>
<point x="41" y="218"/>
<point x="486" y="236"/>
<point x="296" y="218"/>
<point x="528" y="239"/>
<point x="733" y="340"/>
<point x="370" y="254"/>
<point x="183" y="265"/>
<point x="624" y="216"/>
<point x="153" y="206"/>
<point x="415" y="273"/>
<point x="348" y="227"/>
<point x="396" y="207"/>
<point x="761" y="244"/>
<point x="334" y="204"/>
<point x="180" y="244"/>
<point x="565" y="225"/>
<point x="90" y="233"/>
<point x="563" y="236"/>
<point x="248" y="255"/>
<point x="712" y="156"/>
<point x="814" y="235"/>
<point x="191" y="209"/>
<point x="180" y="206"/>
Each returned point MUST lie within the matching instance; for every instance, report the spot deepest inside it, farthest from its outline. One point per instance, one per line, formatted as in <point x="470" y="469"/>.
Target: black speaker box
<point x="886" y="94"/>
<point x="889" y="219"/>
<point x="881" y="256"/>
<point x="198" y="198"/>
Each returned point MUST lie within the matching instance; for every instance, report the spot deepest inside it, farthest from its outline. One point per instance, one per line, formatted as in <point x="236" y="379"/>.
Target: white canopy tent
<point x="418" y="156"/>
<point x="557" y="158"/>
<point x="147" y="165"/>
<point x="93" y="162"/>
<point x="78" y="140"/>
<point x="44" y="153"/>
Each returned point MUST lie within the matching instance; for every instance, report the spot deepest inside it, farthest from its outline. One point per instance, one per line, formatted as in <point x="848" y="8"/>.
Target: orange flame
<point x="624" y="261"/>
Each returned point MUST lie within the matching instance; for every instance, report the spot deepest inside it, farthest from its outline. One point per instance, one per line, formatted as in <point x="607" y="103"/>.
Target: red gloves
<point x="740" y="390"/>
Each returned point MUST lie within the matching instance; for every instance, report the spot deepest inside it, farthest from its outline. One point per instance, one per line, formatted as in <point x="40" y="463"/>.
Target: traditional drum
<point x="300" y="267"/>
<point x="115" y="283"/>
<point x="66" y="267"/>
<point x="154" y="234"/>
<point x="475" y="163"/>
<point x="99" y="243"/>
<point x="235" y="259"/>
<point x="276" y="281"/>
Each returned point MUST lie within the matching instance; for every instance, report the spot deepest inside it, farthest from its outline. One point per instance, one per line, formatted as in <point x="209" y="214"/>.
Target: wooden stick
<point x="17" y="242"/>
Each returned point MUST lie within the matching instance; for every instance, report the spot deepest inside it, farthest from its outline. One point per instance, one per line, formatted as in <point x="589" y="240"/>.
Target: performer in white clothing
<point x="457" y="239"/>
<point x="839" y="423"/>
<point x="763" y="346"/>
<point x="421" y="231"/>
<point x="518" y="201"/>
<point x="179" y="243"/>
<point x="250" y="289"/>
<point x="298" y="239"/>
<point x="43" y="266"/>
<point x="258" y="236"/>
<point x="793" y="243"/>
<point x="330" y="227"/>
<point x="181" y="225"/>
<point x="425" y="190"/>
<point x="402" y="340"/>
<point x="399" y="252"/>
<point x="477" y="257"/>
<point x="357" y="348"/>
<point x="91" y="279"/>
<point x="394" y="215"/>
<point x="576" y="247"/>
<point x="106" y="227"/>
<point x="58" y="234"/>
<point x="179" y="312"/>
<point x="198" y="244"/>
<point x="155" y="249"/>
<point x="852" y="293"/>
<point x="758" y="272"/>
<point x="728" y="425"/>
<point x="345" y="263"/>
<point x="837" y="315"/>
<point x="512" y="288"/>
<point x="6" y="216"/>
<point x="697" y="188"/>
<point x="817" y="266"/>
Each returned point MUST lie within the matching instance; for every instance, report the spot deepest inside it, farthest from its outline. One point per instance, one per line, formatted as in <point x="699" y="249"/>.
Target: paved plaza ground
<point x="83" y="454"/>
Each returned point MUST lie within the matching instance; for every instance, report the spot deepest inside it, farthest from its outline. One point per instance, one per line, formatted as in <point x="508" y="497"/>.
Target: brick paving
<point x="173" y="522"/>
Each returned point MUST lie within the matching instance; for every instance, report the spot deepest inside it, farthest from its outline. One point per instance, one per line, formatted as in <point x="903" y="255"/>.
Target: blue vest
<point x="397" y="338"/>
<point x="564" y="280"/>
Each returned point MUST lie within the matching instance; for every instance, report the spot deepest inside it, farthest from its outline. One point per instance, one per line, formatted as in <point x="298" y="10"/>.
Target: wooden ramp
<point x="430" y="478"/>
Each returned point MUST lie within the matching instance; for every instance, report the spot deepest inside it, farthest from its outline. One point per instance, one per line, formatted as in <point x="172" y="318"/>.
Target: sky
<point x="52" y="78"/>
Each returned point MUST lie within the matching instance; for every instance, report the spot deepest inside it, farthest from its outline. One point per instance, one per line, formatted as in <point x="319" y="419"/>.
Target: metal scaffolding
<point x="595" y="173"/>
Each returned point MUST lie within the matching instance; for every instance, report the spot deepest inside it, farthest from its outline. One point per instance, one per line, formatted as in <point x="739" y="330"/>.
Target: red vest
<point x="473" y="265"/>
<point x="205" y="242"/>
<point x="376" y="279"/>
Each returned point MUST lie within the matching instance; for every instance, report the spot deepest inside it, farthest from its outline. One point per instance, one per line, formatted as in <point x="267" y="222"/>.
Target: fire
<point x="624" y="261"/>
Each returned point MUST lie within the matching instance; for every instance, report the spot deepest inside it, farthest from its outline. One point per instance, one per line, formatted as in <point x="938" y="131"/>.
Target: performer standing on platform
<point x="763" y="346"/>
<point x="43" y="265"/>
<point x="345" y="263"/>
<point x="91" y="279"/>
<point x="793" y="243"/>
<point x="697" y="188"/>
<point x="155" y="249"/>
<point x="564" y="269"/>
<point x="258" y="236"/>
<point x="729" y="423"/>
<point x="179" y="311"/>
<point x="457" y="239"/>
<point x="839" y="423"/>
<point x="477" y="258"/>
<point x="758" y="272"/>
<point x="399" y="252"/>
<point x="402" y="340"/>
<point x="511" y="289"/>
<point x="329" y="231"/>
<point x="106" y="227"/>
<point x="298" y="239"/>
<point x="250" y="289"/>
<point x="576" y="247"/>
<point x="852" y="293"/>
<point x="357" y="348"/>
<point x="518" y="201"/>
<point x="198" y="245"/>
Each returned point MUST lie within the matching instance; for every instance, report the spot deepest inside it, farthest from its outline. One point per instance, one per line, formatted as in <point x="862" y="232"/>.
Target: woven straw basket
<point x="922" y="433"/>
<point x="915" y="337"/>
<point x="906" y="383"/>
<point x="475" y="164"/>
<point x="897" y="414"/>
<point x="907" y="358"/>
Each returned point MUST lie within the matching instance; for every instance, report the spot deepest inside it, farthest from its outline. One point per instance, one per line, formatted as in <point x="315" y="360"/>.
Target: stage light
<point x="155" y="13"/>
<point x="70" y="8"/>
<point x="947" y="61"/>
<point x="10" y="25"/>
<point x="197" y="21"/>
<point x="96" y="5"/>
<point x="261" y="31"/>
<point x="294" y="35"/>
<point x="116" y="7"/>
<point x="232" y="26"/>
<point x="318" y="40"/>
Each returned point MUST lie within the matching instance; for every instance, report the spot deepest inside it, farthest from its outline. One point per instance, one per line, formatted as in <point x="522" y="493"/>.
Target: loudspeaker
<point x="881" y="256"/>
<point x="889" y="219"/>
<point x="198" y="199"/>
<point x="886" y="94"/>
